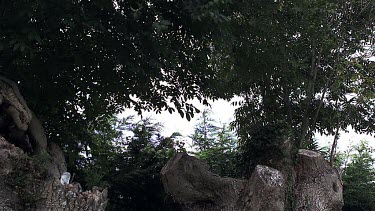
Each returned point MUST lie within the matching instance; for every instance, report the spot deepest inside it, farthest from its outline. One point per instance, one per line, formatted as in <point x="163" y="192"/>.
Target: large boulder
<point x="263" y="191"/>
<point x="317" y="186"/>
<point x="192" y="185"/>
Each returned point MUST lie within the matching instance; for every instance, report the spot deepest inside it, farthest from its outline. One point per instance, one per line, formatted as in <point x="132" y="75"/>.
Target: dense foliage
<point x="295" y="63"/>
<point x="292" y="61"/>
<point x="358" y="179"/>
<point x="265" y="145"/>
<point x="216" y="145"/>
<point x="78" y="62"/>
<point x="128" y="161"/>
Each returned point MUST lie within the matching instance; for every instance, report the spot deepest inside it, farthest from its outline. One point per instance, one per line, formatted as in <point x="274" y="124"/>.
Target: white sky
<point x="222" y="112"/>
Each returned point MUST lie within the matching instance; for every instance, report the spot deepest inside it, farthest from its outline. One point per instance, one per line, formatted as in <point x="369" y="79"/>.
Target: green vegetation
<point x="291" y="66"/>
<point x="79" y="62"/>
<point x="265" y="145"/>
<point x="128" y="160"/>
<point x="128" y="157"/>
<point x="359" y="179"/>
<point x="216" y="145"/>
<point x="357" y="169"/>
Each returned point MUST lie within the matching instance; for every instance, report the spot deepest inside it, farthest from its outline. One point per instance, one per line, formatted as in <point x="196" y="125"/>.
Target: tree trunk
<point x="332" y="154"/>
<point x="315" y="63"/>
<point x="30" y="168"/>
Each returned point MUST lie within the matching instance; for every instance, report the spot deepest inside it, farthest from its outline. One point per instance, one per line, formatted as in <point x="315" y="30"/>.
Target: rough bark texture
<point x="37" y="135"/>
<point x="317" y="186"/>
<point x="33" y="182"/>
<point x="14" y="103"/>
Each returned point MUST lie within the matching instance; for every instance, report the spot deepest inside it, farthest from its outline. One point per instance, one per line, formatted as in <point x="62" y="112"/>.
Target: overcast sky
<point x="222" y="112"/>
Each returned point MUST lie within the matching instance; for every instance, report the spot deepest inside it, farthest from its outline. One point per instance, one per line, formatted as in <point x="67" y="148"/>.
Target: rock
<point x="318" y="185"/>
<point x="57" y="167"/>
<point x="264" y="191"/>
<point x="32" y="183"/>
<point x="190" y="183"/>
<point x="16" y="105"/>
<point x="37" y="134"/>
<point x="9" y="198"/>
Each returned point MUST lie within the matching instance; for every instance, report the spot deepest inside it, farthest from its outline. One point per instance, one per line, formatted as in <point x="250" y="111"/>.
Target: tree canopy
<point x="297" y="62"/>
<point x="297" y="65"/>
<point x="78" y="62"/>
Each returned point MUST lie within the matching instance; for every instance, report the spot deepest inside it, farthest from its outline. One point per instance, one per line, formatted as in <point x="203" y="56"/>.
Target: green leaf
<point x="181" y="113"/>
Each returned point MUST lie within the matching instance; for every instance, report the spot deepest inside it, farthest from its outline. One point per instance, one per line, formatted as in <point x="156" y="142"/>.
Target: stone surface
<point x="15" y="104"/>
<point x="264" y="191"/>
<point x="37" y="135"/>
<point x="318" y="185"/>
<point x="32" y="183"/>
<point x="191" y="184"/>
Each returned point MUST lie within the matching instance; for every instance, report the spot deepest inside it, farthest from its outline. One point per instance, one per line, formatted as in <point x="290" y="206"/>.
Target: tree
<point x="79" y="62"/>
<point x="358" y="178"/>
<point x="292" y="61"/>
<point x="129" y="164"/>
<point x="217" y="146"/>
<point x="204" y="131"/>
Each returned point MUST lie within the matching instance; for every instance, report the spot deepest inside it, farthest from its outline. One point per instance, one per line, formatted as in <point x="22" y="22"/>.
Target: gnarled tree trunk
<point x="30" y="168"/>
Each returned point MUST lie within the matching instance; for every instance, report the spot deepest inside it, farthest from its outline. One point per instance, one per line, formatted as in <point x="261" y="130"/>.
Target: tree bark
<point x="315" y="63"/>
<point x="332" y="154"/>
<point x="33" y="182"/>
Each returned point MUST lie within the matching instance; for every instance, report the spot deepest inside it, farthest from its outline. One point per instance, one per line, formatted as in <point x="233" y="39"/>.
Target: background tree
<point x="128" y="159"/>
<point x="358" y="178"/>
<point x="216" y="145"/>
<point x="205" y="131"/>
